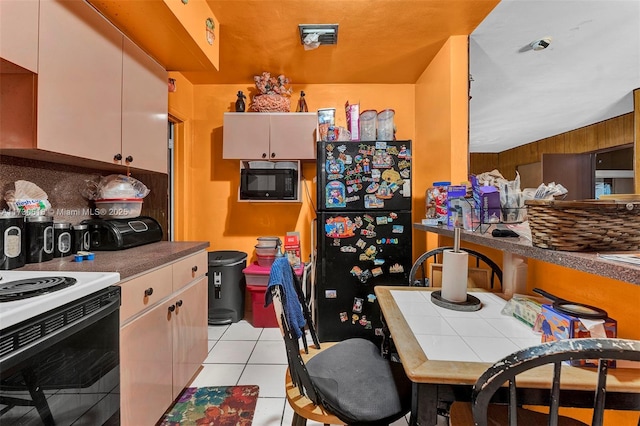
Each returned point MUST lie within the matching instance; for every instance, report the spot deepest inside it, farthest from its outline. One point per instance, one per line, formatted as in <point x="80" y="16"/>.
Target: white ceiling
<point x="586" y="75"/>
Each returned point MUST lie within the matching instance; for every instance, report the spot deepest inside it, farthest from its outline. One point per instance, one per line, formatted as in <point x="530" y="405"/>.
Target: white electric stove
<point x="52" y="292"/>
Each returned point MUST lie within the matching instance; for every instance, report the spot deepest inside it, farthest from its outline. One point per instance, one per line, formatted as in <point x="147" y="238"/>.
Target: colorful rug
<point x="215" y="406"/>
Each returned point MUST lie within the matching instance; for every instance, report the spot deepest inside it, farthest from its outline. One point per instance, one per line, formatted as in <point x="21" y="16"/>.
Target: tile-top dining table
<point x="444" y="352"/>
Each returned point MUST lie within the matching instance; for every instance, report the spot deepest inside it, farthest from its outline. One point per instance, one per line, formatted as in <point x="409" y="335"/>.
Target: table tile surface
<point x="485" y="335"/>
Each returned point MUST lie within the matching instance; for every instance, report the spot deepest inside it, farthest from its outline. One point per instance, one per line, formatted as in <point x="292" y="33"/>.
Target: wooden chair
<point x="419" y="275"/>
<point x="347" y="382"/>
<point x="601" y="350"/>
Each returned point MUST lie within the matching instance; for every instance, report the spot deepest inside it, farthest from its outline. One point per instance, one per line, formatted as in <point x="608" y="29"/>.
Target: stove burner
<point x="30" y="287"/>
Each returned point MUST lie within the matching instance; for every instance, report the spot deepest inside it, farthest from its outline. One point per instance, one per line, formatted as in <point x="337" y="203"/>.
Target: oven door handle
<point x="45" y="342"/>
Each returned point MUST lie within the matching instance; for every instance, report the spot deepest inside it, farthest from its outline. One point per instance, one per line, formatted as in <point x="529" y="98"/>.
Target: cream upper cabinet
<point x="19" y="32"/>
<point x="144" y="110"/>
<point x="269" y="136"/>
<point x="79" y="82"/>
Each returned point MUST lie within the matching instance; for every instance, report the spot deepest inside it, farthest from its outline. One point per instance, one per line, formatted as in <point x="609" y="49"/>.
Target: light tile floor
<point x="240" y="354"/>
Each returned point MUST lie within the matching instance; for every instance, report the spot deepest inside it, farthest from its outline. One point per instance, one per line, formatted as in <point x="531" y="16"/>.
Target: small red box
<point x="262" y="317"/>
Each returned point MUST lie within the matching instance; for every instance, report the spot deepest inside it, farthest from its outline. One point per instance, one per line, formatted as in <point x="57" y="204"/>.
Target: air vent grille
<point x="327" y="33"/>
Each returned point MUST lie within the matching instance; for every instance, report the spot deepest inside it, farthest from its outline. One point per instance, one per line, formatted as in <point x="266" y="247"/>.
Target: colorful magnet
<point x="339" y="227"/>
<point x="393" y="215"/>
<point x="368" y="326"/>
<point x="358" y="221"/>
<point x="357" y="304"/>
<point x="335" y="195"/>
<point x="363" y="321"/>
<point x="371" y="250"/>
<point x="404" y="152"/>
<point x="377" y="271"/>
<point x="334" y="167"/>
<point x="361" y="244"/>
<point x="372" y="202"/>
<point x="382" y="160"/>
<point x="348" y="249"/>
<point x="378" y="262"/>
<point x="384" y="192"/>
<point x="371" y="297"/>
<point x="381" y="145"/>
<point x="356" y="271"/>
<point x="382" y="220"/>
<point x="376" y="175"/>
<point x="397" y="229"/>
<point x="354" y="318"/>
<point x="343" y="317"/>
<point x="330" y="294"/>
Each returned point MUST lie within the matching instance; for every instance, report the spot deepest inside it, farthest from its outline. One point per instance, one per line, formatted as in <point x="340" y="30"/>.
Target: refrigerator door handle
<point x="312" y="272"/>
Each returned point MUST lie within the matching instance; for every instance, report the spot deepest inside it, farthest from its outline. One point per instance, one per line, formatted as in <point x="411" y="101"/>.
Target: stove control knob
<point x="149" y="291"/>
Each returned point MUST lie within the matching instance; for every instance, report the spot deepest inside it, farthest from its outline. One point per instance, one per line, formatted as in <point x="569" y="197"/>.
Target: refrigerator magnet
<point x="343" y="317"/>
<point x="366" y="165"/>
<point x="356" y="271"/>
<point x="354" y="318"/>
<point x="377" y="271"/>
<point x="382" y="220"/>
<point x="372" y="202"/>
<point x="371" y="298"/>
<point x="376" y="174"/>
<point x="382" y="160"/>
<point x="330" y="294"/>
<point x="361" y="244"/>
<point x="384" y="192"/>
<point x="363" y="321"/>
<point x="348" y="249"/>
<point x="335" y="195"/>
<point x="397" y="229"/>
<point x="378" y="262"/>
<point x="364" y="276"/>
<point x="404" y="152"/>
<point x="378" y="332"/>
<point x="396" y="269"/>
<point x="381" y="145"/>
<point x="334" y="168"/>
<point x="357" y="304"/>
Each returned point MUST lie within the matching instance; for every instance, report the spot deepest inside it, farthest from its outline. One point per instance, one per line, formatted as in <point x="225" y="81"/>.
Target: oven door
<point x="63" y="367"/>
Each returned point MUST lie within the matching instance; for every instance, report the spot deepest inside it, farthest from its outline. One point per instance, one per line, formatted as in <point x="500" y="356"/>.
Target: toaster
<point x="120" y="234"/>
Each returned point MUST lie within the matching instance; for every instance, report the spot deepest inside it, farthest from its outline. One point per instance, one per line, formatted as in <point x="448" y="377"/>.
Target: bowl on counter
<point x="118" y="208"/>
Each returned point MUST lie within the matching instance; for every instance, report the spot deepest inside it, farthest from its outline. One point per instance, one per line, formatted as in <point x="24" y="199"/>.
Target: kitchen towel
<point x="282" y="274"/>
<point x="455" y="268"/>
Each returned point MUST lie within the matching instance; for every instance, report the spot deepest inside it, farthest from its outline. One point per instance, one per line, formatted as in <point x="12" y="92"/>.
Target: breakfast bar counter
<point x="127" y="263"/>
<point x="581" y="261"/>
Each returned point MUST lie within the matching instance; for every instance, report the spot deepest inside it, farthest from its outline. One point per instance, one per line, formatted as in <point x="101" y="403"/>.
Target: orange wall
<point x="212" y="212"/>
<point x="441" y="127"/>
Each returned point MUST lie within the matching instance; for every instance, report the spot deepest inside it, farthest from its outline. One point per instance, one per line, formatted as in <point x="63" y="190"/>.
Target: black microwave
<point x="268" y="184"/>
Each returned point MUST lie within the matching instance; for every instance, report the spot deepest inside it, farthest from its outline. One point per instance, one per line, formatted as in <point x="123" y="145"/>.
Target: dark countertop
<point x="580" y="261"/>
<point x="128" y="262"/>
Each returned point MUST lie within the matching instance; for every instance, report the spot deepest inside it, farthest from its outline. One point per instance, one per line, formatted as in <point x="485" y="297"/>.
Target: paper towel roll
<point x="455" y="268"/>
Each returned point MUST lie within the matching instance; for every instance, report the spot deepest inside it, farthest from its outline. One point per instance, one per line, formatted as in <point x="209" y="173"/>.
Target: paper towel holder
<point x="471" y="304"/>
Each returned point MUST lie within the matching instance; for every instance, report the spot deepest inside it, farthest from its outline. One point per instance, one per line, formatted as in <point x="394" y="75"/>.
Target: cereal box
<point x="557" y="325"/>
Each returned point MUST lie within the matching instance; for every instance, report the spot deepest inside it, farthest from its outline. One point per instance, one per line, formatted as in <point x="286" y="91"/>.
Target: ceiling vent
<point x="327" y="33"/>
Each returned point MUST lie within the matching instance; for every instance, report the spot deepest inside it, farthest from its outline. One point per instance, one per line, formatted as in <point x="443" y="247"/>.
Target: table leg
<point x="424" y="405"/>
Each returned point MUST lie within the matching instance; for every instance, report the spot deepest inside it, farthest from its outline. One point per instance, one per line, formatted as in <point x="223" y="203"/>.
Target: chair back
<point x="419" y="274"/>
<point x="604" y="350"/>
<point x="297" y="369"/>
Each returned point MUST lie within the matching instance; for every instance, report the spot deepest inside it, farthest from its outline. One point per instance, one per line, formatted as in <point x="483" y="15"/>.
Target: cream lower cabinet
<point x="163" y="337"/>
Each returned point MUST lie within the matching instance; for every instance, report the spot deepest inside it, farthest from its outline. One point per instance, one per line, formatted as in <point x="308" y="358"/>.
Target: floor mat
<point x="213" y="405"/>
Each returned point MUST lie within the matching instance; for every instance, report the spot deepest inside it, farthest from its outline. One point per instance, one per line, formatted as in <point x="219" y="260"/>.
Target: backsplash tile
<point x="63" y="185"/>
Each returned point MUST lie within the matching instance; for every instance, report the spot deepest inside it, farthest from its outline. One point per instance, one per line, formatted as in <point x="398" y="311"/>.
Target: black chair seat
<point x="358" y="385"/>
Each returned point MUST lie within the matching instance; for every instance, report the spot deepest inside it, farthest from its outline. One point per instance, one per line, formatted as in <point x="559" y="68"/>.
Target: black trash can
<point x="226" y="286"/>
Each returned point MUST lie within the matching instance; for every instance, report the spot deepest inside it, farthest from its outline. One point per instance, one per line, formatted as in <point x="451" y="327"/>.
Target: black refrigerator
<point x="364" y="233"/>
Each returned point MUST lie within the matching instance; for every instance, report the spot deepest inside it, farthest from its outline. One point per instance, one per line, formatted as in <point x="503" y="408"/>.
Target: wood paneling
<point x="603" y="135"/>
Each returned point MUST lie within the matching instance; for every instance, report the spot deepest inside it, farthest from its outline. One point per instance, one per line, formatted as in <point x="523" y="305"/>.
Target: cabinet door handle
<point x="194" y="269"/>
<point x="117" y="157"/>
<point x="149" y="291"/>
<point x="264" y="155"/>
<point x="129" y="159"/>
<point x="172" y="308"/>
<point x="273" y="155"/>
<point x="179" y="303"/>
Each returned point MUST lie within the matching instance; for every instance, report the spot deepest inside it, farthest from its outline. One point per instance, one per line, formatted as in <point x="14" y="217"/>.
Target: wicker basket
<point x="587" y="225"/>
